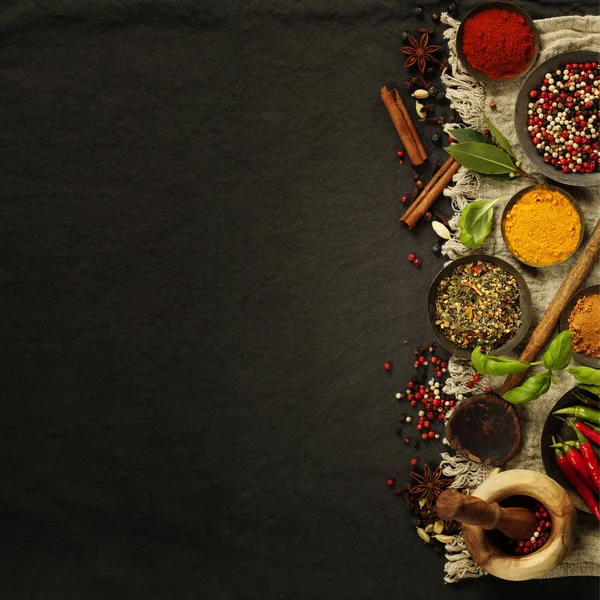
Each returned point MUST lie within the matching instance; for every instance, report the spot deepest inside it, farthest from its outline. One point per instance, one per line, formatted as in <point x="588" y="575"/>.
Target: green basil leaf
<point x="533" y="388"/>
<point x="500" y="139"/>
<point x="481" y="158"/>
<point x="496" y="365"/>
<point x="587" y="375"/>
<point x="468" y="134"/>
<point x="558" y="355"/>
<point x="476" y="222"/>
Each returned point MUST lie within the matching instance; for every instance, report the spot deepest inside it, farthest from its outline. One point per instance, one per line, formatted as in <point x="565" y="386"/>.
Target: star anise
<point x="419" y="53"/>
<point x="429" y="485"/>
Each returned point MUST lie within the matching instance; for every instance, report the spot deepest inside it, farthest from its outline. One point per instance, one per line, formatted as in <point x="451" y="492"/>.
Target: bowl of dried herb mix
<point x="581" y="316"/>
<point x="542" y="225"/>
<point x="479" y="300"/>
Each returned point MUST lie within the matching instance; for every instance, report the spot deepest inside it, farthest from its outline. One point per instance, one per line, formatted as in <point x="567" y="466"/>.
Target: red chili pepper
<point x="589" y="433"/>
<point x="577" y="482"/>
<point x="577" y="462"/>
<point x="574" y="444"/>
<point x="590" y="459"/>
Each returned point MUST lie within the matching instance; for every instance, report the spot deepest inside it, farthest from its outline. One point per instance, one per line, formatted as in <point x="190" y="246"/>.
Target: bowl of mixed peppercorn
<point x="479" y="300"/>
<point x="557" y="118"/>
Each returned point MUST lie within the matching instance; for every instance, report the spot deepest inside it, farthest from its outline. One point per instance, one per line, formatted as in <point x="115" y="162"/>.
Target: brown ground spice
<point x="584" y="324"/>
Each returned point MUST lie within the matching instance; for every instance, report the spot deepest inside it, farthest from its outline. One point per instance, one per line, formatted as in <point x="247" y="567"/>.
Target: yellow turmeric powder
<point x="543" y="227"/>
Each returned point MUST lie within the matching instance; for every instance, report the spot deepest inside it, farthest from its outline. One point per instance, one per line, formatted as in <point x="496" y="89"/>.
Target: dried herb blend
<point x="478" y="305"/>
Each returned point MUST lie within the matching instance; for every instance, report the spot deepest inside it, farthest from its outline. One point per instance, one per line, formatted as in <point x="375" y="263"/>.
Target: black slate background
<point x="202" y="274"/>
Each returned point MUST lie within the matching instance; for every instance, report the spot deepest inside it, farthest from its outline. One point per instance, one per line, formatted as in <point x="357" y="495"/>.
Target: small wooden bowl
<point x="510" y="7"/>
<point x="524" y="302"/>
<point x="592" y="290"/>
<point x="520" y="482"/>
<point x="517" y="197"/>
<point x="521" y="116"/>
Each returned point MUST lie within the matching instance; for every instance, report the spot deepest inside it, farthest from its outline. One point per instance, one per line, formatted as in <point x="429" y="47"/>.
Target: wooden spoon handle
<point x="515" y="523"/>
<point x="569" y="286"/>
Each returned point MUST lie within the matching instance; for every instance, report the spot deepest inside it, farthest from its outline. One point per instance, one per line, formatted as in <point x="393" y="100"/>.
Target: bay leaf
<point x="468" y="134"/>
<point x="500" y="139"/>
<point x="481" y="158"/>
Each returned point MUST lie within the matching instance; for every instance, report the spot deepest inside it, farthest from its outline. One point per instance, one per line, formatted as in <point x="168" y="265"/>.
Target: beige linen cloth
<point x="471" y="99"/>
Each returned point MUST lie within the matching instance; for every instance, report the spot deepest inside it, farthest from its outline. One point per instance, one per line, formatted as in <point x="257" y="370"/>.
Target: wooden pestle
<point x="569" y="286"/>
<point x="515" y="523"/>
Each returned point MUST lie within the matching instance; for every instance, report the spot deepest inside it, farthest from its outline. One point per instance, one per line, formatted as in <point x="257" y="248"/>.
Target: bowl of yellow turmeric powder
<point x="542" y="225"/>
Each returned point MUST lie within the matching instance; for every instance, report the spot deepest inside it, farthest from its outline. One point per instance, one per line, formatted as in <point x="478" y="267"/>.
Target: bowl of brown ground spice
<point x="581" y="316"/>
<point x="542" y="225"/>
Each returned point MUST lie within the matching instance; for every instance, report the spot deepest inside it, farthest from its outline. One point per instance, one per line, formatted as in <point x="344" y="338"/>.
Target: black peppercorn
<point x="436" y="249"/>
<point x="418" y="12"/>
<point x="404" y="36"/>
<point x="435" y="17"/>
<point x="441" y="97"/>
<point x="452" y="9"/>
<point x="433" y="91"/>
<point x="436" y="139"/>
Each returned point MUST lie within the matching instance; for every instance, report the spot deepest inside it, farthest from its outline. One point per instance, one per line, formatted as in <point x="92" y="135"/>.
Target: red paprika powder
<point x="498" y="43"/>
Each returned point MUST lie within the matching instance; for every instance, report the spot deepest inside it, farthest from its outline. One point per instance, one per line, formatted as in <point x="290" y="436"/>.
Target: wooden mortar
<point x="520" y="482"/>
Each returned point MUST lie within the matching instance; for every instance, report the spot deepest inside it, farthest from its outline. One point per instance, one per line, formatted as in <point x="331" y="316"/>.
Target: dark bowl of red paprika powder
<point x="497" y="41"/>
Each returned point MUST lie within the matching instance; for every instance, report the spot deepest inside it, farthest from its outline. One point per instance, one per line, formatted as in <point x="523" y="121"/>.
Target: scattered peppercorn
<point x="411" y="257"/>
<point x="404" y="36"/>
<point x="436" y="249"/>
<point x="436" y="139"/>
<point x="476" y="378"/>
<point x="417" y="262"/>
<point x="452" y="9"/>
<point x="487" y="132"/>
<point x="400" y="154"/>
<point x="387" y="366"/>
<point x="391" y="482"/>
<point x="489" y="390"/>
<point x="469" y="384"/>
<point x="418" y="12"/>
<point x="413" y="461"/>
<point x="493" y="105"/>
<point x="435" y="17"/>
<point x="405" y="199"/>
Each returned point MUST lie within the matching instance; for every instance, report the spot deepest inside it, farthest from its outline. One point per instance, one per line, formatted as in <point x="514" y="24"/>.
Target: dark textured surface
<point x="202" y="274"/>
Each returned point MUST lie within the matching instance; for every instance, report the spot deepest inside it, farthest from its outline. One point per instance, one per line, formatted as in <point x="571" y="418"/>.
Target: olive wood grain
<point x="569" y="286"/>
<point x="521" y="482"/>
<point x="515" y="523"/>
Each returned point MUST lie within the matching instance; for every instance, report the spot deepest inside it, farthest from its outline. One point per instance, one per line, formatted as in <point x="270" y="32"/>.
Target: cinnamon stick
<point x="569" y="286"/>
<point x="402" y="107"/>
<point x="402" y="127"/>
<point x="430" y="193"/>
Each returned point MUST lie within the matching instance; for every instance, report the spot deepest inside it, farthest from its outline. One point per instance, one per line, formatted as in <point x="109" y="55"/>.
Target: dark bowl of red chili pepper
<point x="581" y="405"/>
<point x="497" y="41"/>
